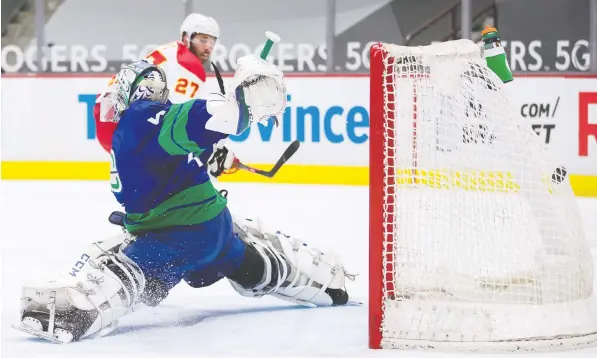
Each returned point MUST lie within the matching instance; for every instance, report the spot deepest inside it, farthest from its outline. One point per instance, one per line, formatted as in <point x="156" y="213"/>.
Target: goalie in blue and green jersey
<point x="178" y="226"/>
<point x="160" y="153"/>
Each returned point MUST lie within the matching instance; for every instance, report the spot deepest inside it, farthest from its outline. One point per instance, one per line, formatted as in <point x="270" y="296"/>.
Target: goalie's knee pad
<point x="287" y="268"/>
<point x="102" y="286"/>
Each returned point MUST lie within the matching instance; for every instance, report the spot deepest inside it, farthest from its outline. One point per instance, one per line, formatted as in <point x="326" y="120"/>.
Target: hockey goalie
<point x="177" y="225"/>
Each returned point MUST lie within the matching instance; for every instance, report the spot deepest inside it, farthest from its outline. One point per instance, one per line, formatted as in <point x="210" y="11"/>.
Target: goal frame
<point x="559" y="324"/>
<point x="377" y="193"/>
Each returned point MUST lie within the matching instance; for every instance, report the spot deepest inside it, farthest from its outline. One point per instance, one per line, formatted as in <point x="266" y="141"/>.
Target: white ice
<point x="43" y="224"/>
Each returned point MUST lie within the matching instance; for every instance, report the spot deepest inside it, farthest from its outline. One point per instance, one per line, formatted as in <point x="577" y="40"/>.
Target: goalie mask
<point x="257" y="94"/>
<point x="136" y="81"/>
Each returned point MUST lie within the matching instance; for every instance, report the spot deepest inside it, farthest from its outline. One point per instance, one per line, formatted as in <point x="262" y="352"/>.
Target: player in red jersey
<point x="183" y="63"/>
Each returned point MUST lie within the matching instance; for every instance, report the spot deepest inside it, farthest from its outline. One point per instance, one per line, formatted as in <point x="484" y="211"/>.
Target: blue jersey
<point x="158" y="172"/>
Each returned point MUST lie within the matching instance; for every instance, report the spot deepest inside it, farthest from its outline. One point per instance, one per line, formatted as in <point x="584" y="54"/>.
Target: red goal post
<point x="377" y="178"/>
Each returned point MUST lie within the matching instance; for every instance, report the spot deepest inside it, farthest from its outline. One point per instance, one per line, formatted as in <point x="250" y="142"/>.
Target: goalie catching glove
<point x="257" y="94"/>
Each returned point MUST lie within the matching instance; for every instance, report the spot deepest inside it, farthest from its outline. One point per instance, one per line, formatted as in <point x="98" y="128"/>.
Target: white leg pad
<point x="299" y="273"/>
<point x="102" y="286"/>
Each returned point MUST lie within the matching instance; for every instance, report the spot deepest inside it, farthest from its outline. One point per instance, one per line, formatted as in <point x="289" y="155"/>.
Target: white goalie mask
<point x="257" y="94"/>
<point x="136" y="81"/>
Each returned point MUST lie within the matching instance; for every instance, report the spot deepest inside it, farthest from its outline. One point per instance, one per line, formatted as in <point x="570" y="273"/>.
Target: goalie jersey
<point x="157" y="170"/>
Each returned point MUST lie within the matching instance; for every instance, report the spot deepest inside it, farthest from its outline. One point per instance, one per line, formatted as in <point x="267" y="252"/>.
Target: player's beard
<point x="202" y="56"/>
<point x="205" y="62"/>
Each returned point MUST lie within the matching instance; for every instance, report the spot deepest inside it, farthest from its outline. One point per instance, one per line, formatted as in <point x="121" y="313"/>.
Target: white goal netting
<point x="483" y="247"/>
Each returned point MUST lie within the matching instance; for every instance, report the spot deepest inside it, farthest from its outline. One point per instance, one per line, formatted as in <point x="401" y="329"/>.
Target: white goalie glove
<point x="220" y="161"/>
<point x="257" y="93"/>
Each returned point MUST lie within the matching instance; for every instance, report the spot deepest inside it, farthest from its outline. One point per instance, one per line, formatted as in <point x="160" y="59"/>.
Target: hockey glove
<point x="220" y="161"/>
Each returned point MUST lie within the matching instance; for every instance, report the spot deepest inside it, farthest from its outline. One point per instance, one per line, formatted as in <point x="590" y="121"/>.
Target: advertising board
<point x="53" y="137"/>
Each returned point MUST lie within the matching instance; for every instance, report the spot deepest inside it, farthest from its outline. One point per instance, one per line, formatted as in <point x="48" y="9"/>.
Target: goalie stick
<point x="288" y="153"/>
<point x="219" y="78"/>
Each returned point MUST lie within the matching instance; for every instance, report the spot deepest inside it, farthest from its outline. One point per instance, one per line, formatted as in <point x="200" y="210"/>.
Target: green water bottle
<point x="495" y="55"/>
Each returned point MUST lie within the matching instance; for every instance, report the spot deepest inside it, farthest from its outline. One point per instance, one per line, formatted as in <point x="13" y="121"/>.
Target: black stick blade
<point x="288" y="153"/>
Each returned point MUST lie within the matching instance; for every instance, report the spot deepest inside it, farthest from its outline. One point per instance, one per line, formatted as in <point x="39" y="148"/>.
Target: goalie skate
<point x="62" y="327"/>
<point x="54" y="338"/>
<point x="35" y="327"/>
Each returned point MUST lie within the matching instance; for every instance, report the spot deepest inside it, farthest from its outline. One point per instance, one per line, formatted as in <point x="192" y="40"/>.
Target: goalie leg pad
<point x="287" y="268"/>
<point x="251" y="272"/>
<point x="86" y="301"/>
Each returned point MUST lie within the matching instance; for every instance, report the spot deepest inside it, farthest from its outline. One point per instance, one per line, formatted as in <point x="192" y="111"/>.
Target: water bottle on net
<point x="494" y="53"/>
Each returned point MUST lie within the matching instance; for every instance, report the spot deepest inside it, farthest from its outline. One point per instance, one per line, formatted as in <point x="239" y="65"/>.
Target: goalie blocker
<point x="104" y="284"/>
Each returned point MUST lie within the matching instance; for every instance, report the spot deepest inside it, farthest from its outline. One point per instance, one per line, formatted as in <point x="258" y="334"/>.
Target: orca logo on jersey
<point x="79" y="265"/>
<point x="192" y="158"/>
<point x="156" y="120"/>
<point x="115" y="184"/>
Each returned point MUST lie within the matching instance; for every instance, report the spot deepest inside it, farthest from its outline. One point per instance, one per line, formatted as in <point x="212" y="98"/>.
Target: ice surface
<point x="44" y="223"/>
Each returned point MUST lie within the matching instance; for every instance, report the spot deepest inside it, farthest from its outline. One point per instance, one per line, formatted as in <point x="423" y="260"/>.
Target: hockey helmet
<point x="199" y="24"/>
<point x="139" y="80"/>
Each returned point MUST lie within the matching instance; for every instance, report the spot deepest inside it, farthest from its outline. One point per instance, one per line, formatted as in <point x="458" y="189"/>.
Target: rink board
<point x="329" y="115"/>
<point x="582" y="185"/>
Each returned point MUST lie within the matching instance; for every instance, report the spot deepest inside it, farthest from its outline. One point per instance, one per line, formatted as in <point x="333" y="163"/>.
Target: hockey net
<point x="476" y="242"/>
